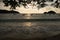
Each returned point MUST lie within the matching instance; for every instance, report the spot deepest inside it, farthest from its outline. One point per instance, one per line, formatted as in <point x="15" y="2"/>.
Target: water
<point x="25" y="30"/>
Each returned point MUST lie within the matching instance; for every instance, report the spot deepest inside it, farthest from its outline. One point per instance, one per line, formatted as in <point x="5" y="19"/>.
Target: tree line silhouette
<point x="41" y="3"/>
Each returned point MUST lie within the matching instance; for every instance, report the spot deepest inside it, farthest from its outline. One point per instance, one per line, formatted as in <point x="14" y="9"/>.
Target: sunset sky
<point x="32" y="10"/>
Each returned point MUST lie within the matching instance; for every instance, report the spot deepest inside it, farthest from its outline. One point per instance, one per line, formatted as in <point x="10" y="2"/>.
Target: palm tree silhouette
<point x="13" y="3"/>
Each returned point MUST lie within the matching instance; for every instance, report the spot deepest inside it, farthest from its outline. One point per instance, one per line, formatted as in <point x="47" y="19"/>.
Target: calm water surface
<point x="40" y="29"/>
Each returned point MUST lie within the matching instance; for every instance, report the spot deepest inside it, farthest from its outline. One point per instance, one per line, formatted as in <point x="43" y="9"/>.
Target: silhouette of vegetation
<point x="41" y="3"/>
<point x="45" y="12"/>
<point x="23" y="3"/>
<point x="56" y="4"/>
<point x="50" y="12"/>
<point x="12" y="3"/>
<point x="50" y="0"/>
<point x="8" y="12"/>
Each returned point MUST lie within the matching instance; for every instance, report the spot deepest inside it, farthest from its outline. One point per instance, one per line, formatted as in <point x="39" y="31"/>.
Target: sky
<point x="31" y="9"/>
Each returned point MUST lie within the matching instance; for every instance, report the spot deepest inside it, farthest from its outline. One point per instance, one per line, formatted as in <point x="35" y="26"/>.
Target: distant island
<point x="8" y="12"/>
<point x="50" y="12"/>
<point x="16" y="12"/>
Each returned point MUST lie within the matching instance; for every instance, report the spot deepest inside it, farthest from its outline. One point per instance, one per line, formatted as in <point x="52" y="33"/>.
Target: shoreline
<point x="27" y="20"/>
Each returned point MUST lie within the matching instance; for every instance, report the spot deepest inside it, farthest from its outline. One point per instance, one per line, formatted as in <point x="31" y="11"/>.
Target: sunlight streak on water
<point x="28" y="16"/>
<point x="28" y="24"/>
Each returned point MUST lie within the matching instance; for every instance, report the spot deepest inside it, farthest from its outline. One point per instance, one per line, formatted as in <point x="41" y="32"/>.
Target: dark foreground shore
<point x="57" y="37"/>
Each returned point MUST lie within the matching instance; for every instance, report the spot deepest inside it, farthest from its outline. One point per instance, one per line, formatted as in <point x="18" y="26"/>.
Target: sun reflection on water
<point x="29" y="24"/>
<point x="27" y="16"/>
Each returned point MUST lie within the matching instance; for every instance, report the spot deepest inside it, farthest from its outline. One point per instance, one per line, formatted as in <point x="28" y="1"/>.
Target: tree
<point x="6" y="2"/>
<point x="50" y="0"/>
<point x="41" y="3"/>
<point x="12" y="3"/>
<point x="56" y="4"/>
